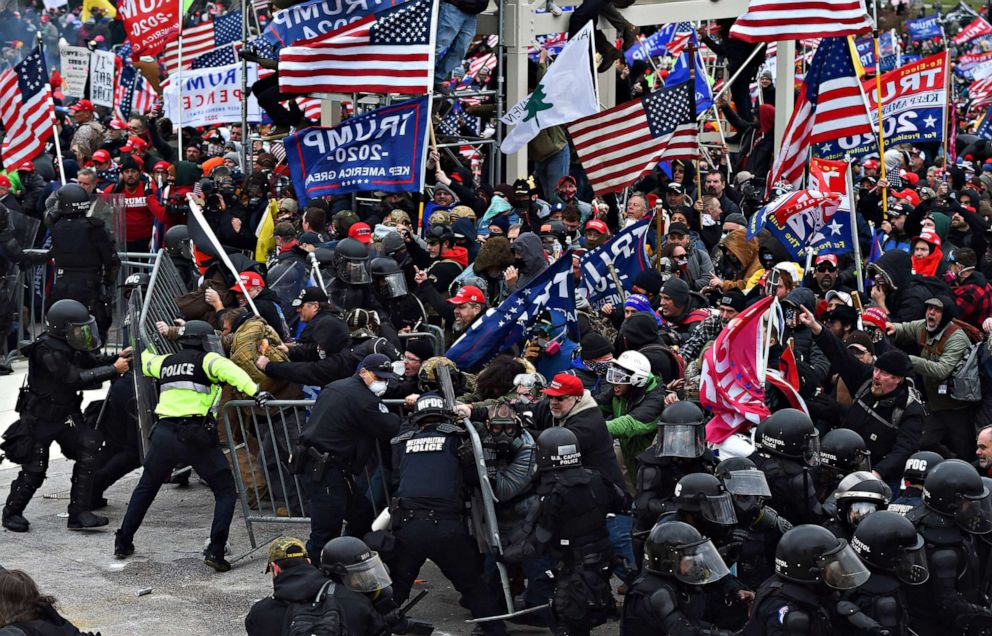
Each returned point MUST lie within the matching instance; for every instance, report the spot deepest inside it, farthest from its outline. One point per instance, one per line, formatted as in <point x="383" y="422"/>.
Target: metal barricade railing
<point x="437" y="339"/>
<point x="259" y="444"/>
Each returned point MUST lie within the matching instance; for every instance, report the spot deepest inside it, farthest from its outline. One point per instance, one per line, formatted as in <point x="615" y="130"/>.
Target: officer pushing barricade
<point x="186" y="433"/>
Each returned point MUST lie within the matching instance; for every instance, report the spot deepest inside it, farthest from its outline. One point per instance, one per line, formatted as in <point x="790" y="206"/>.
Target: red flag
<point x="732" y="383"/>
<point x="149" y="24"/>
<point x="776" y="20"/>
<point x="977" y="28"/>
<point x="787" y="365"/>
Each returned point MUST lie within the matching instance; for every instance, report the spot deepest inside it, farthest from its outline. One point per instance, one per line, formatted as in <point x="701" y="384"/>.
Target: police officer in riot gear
<point x="892" y="550"/>
<point x="570" y="525"/>
<point x="858" y="495"/>
<point x="918" y="466"/>
<point x="811" y="565"/>
<point x="180" y="249"/>
<point x="85" y="256"/>
<point x="956" y="510"/>
<point x="679" y="450"/>
<point x="186" y="433"/>
<point x="351" y="284"/>
<point x="428" y="511"/>
<point x="759" y="527"/>
<point x="842" y="452"/>
<point x="786" y="446"/>
<point x="61" y="364"/>
<point x="11" y="255"/>
<point x="390" y="287"/>
<point x="667" y="597"/>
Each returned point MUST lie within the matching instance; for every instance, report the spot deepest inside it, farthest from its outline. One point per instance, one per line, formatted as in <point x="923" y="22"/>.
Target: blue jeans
<point x="168" y="451"/>
<point x="550" y="171"/>
<point x="455" y="30"/>
<point x="619" y="527"/>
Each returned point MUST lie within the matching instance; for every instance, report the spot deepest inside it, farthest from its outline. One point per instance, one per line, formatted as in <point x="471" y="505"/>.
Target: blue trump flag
<point x="924" y="28"/>
<point x="984" y="129"/>
<point x="311" y="19"/>
<point x="384" y="149"/>
<point x="502" y="327"/>
<point x="680" y="73"/>
<point x="627" y="252"/>
<point x="800" y="220"/>
<point x="658" y="42"/>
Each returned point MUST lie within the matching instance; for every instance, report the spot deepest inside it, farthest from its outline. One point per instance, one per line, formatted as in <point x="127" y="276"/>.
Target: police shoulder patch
<point x="782" y="611"/>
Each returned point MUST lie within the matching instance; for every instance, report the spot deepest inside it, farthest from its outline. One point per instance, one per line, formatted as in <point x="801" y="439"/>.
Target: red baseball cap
<point x="361" y="232"/>
<point x="161" y="165"/>
<point x="875" y="316"/>
<point x="137" y="142"/>
<point x="597" y="226"/>
<point x="4" y="181"/>
<point x="827" y="258"/>
<point x="468" y="294"/>
<point x="27" y="166"/>
<point x="83" y="104"/>
<point x="101" y="155"/>
<point x="250" y="279"/>
<point x="929" y="236"/>
<point x="907" y="195"/>
<point x="117" y="124"/>
<point x="564" y="384"/>
<point x="871" y="164"/>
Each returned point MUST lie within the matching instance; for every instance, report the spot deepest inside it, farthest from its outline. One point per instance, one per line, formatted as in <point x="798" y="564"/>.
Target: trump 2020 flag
<point x="838" y="234"/>
<point x="381" y="150"/>
<point x="796" y="219"/>
<point x="924" y="28"/>
<point x="627" y="253"/>
<point x="564" y="94"/>
<point x="502" y="327"/>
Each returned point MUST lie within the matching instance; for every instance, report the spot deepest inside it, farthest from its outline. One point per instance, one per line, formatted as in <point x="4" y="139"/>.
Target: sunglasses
<point x="825" y="268"/>
<point x="559" y="398"/>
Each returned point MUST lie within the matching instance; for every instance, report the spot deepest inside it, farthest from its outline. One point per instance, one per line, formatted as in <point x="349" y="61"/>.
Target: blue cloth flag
<point x="627" y="252"/>
<point x="804" y="219"/>
<point x="984" y="129"/>
<point x="657" y="43"/>
<point x="381" y="150"/>
<point x="680" y="73"/>
<point x="505" y="326"/>
<point x="924" y="28"/>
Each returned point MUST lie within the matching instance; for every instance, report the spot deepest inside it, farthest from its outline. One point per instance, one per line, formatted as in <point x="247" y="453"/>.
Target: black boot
<point x="86" y="520"/>
<point x="81" y="498"/>
<point x="14" y="521"/>
<point x="217" y="562"/>
<point x="21" y="491"/>
<point x="123" y="546"/>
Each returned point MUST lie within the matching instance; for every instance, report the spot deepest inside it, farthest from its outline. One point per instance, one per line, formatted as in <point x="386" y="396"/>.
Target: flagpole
<point x="55" y="128"/>
<point x="691" y="48"/>
<point x="244" y="86"/>
<point x="733" y="77"/>
<point x="179" y="89"/>
<point x="949" y="111"/>
<point x="856" y="246"/>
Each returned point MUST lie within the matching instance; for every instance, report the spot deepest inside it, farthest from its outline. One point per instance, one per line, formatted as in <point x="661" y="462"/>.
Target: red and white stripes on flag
<point x="197" y="40"/>
<point x="791" y="159"/>
<point x="980" y="93"/>
<point x="26" y="110"/>
<point x="775" y="20"/>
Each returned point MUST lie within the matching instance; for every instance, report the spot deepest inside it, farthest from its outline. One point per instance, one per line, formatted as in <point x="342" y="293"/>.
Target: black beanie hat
<point x="895" y="362"/>
<point x="678" y="290"/>
<point x="595" y="345"/>
<point x="420" y="347"/>
<point x="130" y="163"/>
<point x="649" y="280"/>
<point x="734" y="298"/>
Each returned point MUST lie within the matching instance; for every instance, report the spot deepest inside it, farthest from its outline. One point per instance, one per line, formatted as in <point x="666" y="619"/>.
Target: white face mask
<point x="378" y="387"/>
<point x="708" y="221"/>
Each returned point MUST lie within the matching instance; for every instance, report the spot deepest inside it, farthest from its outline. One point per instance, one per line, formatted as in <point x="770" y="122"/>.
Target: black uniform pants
<point x="166" y="451"/>
<point x="84" y="287"/>
<point x="447" y="543"/>
<point x="334" y="501"/>
<point x="950" y="433"/>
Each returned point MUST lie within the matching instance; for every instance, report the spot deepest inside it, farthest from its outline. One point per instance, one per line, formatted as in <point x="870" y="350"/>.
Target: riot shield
<point x="483" y="504"/>
<point x="145" y="389"/>
<point x="109" y="208"/>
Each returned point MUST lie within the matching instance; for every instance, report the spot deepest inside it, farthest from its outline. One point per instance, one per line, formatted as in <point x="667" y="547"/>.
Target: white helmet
<point x="632" y="368"/>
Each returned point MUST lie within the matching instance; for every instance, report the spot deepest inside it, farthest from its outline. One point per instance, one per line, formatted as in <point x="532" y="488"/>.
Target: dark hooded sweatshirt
<point x="528" y="248"/>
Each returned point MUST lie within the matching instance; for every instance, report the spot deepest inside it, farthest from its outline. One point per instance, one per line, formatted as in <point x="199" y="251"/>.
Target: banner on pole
<point x="924" y="28"/>
<point x="627" y="253"/>
<point x="149" y="24"/>
<point x="211" y="96"/>
<point x="314" y="18"/>
<point x="102" y="78"/>
<point x="832" y="177"/>
<point x="75" y="70"/>
<point x="381" y="150"/>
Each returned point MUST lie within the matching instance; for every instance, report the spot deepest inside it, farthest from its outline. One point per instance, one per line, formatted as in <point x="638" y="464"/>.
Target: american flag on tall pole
<point x="26" y="110"/>
<point x="202" y="38"/>
<point x="831" y="105"/>
<point x="387" y="52"/>
<point x="776" y="20"/>
<point x="619" y="145"/>
<point x="132" y="93"/>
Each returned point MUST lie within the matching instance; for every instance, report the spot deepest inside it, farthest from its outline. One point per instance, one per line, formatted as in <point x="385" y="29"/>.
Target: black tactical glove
<point x="262" y="398"/>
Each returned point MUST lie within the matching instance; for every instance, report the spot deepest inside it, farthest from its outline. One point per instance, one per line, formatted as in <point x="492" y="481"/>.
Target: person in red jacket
<point x="141" y="205"/>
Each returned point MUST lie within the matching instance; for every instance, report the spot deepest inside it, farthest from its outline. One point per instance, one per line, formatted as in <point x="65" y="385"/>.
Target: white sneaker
<point x="553" y="8"/>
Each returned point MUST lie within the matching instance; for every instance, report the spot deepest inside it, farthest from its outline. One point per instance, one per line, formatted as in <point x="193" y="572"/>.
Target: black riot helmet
<point x="441" y="234"/>
<point x="844" y="451"/>
<point x="388" y="279"/>
<point x="350" y="258"/>
<point x="860" y="494"/>
<point x="746" y="484"/>
<point x="788" y="433"/>
<point x="324" y="256"/>
<point x="177" y="242"/>
<point x="812" y="554"/>
<point x="394" y="247"/>
<point x="353" y="563"/>
<point x="197" y="334"/>
<point x="954" y="489"/>
<point x="430" y="408"/>
<point x="918" y="466"/>
<point x="703" y="493"/>
<point x="73" y="200"/>
<point x="682" y="431"/>
<point x="889" y="542"/>
<point x="677" y="549"/>
<point x="558" y="449"/>
<point x="70" y="320"/>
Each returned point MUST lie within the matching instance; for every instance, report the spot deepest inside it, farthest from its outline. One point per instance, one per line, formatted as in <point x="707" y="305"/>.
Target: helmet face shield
<point x="681" y="440"/>
<point x="859" y="510"/>
<point x="718" y="509"/>
<point x="353" y="272"/>
<point x="975" y="515"/>
<point x="811" y="454"/>
<point x="393" y="285"/>
<point x="747" y="482"/>
<point x="841" y="569"/>
<point x="83" y="336"/>
<point x="617" y="375"/>
<point x="699" y="564"/>
<point x="912" y="565"/>
<point x="368" y="576"/>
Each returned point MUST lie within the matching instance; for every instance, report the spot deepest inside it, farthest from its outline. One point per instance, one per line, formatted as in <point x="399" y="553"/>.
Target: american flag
<point x="776" y="20"/>
<point x="221" y="56"/>
<point x="476" y="64"/>
<point x="680" y="38"/>
<point x="201" y="39"/>
<point x="980" y="93"/>
<point x="619" y="145"/>
<point x="387" y="52"/>
<point x="830" y="105"/>
<point x="132" y="93"/>
<point x="26" y="109"/>
<point x="452" y="127"/>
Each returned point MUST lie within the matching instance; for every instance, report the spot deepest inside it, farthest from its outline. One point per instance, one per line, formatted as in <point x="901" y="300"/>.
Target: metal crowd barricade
<point x="259" y="444"/>
<point x="438" y="340"/>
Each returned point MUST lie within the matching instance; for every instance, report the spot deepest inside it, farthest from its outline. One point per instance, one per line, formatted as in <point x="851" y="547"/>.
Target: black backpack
<point x="322" y="617"/>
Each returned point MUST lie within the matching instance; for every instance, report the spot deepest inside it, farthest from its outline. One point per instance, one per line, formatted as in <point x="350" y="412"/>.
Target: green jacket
<point x="633" y="418"/>
<point x="934" y="368"/>
<point x="191" y="402"/>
